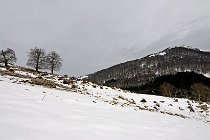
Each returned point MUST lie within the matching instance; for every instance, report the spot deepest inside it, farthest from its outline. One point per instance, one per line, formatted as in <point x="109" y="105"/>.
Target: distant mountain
<point x="140" y="71"/>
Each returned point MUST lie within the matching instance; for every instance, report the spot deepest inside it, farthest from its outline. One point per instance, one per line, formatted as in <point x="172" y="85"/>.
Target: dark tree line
<point x="37" y="58"/>
<point x="182" y="85"/>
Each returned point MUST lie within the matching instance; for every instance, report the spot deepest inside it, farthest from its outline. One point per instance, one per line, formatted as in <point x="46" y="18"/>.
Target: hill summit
<point x="141" y="71"/>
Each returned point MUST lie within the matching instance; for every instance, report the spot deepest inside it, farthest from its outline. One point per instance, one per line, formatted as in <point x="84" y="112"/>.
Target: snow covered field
<point x="38" y="113"/>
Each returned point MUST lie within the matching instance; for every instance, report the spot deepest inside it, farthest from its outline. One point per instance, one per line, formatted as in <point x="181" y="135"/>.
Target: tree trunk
<point x="37" y="62"/>
<point x="52" y="68"/>
<point x="37" y="66"/>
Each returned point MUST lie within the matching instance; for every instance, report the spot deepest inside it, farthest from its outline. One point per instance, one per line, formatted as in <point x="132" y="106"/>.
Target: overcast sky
<point x="94" y="34"/>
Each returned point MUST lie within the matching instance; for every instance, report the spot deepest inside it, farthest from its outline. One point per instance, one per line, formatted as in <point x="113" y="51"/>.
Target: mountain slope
<point x="140" y="71"/>
<point x="30" y="112"/>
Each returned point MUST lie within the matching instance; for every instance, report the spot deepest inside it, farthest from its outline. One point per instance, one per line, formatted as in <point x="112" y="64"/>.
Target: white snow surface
<point x="2" y="69"/>
<point x="25" y="73"/>
<point x="207" y="75"/>
<point x="83" y="77"/>
<point x="160" y="53"/>
<point x="94" y="112"/>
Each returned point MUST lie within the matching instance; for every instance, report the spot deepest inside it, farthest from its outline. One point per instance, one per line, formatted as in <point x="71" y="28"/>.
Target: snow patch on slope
<point x="161" y="53"/>
<point x="2" y="69"/>
<point x="25" y="73"/>
<point x="207" y="75"/>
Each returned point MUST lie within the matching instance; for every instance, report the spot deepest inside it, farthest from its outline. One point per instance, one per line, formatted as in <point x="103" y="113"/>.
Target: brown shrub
<point x="44" y="82"/>
<point x="9" y="73"/>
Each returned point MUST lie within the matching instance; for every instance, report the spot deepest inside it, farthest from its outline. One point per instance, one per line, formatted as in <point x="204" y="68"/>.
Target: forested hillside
<point x="140" y="71"/>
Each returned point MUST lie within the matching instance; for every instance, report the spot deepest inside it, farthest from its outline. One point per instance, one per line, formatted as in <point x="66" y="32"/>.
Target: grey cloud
<point x="95" y="34"/>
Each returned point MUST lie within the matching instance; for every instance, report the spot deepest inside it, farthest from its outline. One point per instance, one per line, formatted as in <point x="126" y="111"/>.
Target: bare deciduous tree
<point x="53" y="61"/>
<point x="200" y="92"/>
<point x="36" y="58"/>
<point x="7" y="57"/>
<point x="167" y="89"/>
